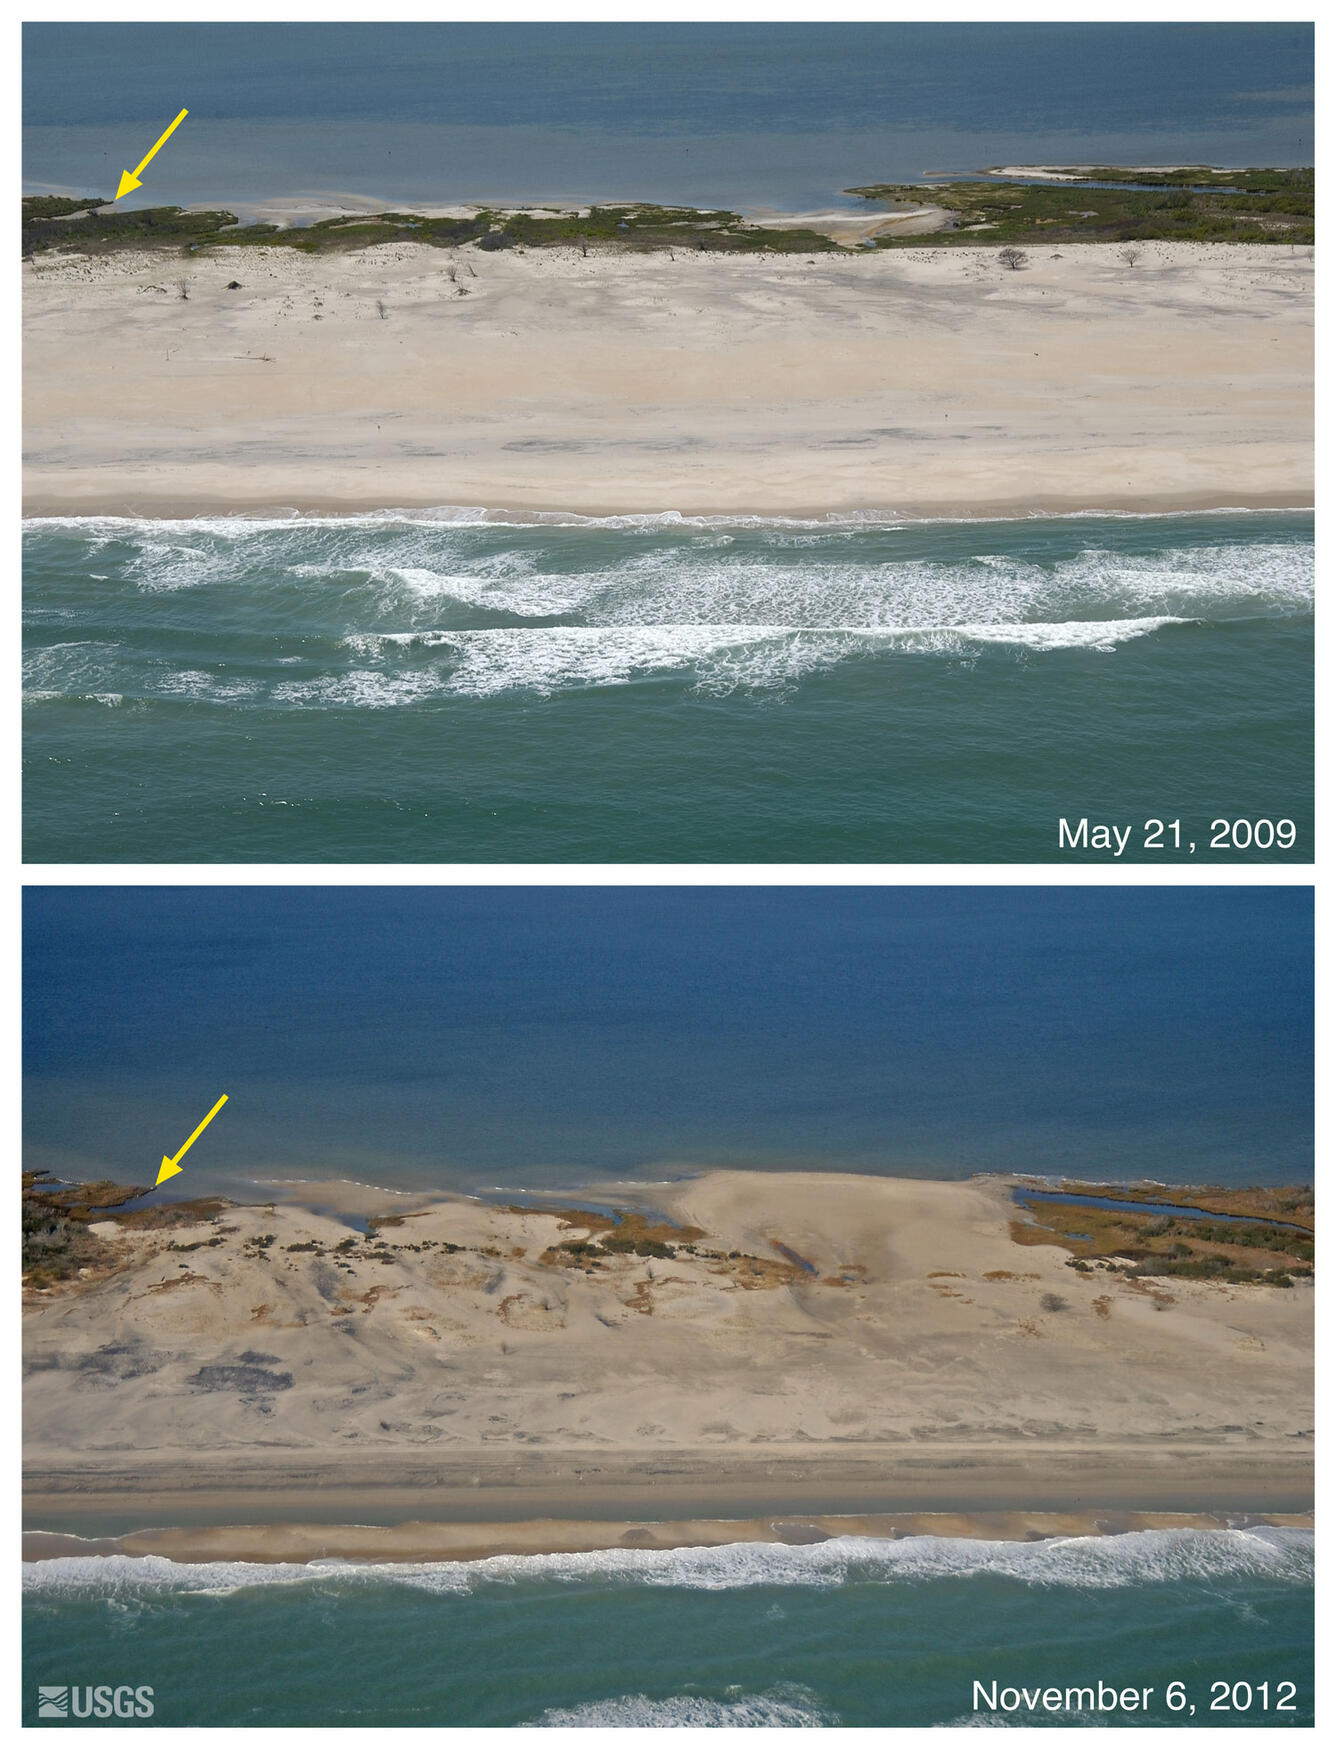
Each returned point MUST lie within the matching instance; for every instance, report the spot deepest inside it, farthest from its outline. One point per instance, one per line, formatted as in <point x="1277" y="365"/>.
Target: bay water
<point x="733" y="114"/>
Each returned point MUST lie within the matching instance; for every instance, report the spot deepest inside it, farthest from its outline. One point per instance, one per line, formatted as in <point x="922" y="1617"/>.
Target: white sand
<point x="924" y="381"/>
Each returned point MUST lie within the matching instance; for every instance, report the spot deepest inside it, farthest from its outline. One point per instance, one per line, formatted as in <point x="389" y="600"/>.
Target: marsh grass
<point x="1156" y="1245"/>
<point x="1274" y="206"/>
<point x="93" y="228"/>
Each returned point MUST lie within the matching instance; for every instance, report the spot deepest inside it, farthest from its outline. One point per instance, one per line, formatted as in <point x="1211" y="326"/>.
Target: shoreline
<point x="419" y="1541"/>
<point x="170" y="508"/>
<point x="484" y="1486"/>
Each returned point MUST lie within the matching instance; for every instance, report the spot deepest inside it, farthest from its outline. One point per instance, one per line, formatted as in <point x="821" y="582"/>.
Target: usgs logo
<point x="94" y="1703"/>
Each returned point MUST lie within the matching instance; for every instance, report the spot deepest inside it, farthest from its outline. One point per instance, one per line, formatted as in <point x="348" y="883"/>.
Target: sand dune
<point x="837" y="1344"/>
<point x="924" y="381"/>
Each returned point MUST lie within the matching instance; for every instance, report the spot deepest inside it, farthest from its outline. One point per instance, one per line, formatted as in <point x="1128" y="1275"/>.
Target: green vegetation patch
<point x="94" y="227"/>
<point x="1208" y="176"/>
<point x="1276" y="207"/>
<point x="103" y="228"/>
<point x="56" y="206"/>
<point x="639" y="226"/>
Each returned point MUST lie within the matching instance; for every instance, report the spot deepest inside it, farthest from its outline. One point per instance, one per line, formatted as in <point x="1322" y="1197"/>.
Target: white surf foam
<point x="697" y="584"/>
<point x="759" y="615"/>
<point x="362" y="689"/>
<point x="471" y="515"/>
<point x="415" y="666"/>
<point x="731" y="657"/>
<point x="1206" y="1557"/>
<point x="789" y="1705"/>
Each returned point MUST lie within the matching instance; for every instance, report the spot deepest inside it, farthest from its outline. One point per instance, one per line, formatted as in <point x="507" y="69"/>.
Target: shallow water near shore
<point x="458" y="686"/>
<point x="851" y="1632"/>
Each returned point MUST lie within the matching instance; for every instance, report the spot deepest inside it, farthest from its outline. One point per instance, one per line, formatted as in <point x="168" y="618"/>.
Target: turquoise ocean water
<point x="462" y="686"/>
<point x="853" y="1632"/>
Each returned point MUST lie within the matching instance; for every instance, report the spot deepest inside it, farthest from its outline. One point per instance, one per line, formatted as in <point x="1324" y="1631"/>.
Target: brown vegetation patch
<point x="1158" y="1294"/>
<point x="791" y="1256"/>
<point x="847" y="1275"/>
<point x="374" y="1295"/>
<point x="79" y="1202"/>
<point x="1292" y="1203"/>
<point x="172" y="1282"/>
<point x="640" y="1300"/>
<point x="174" y="1214"/>
<point x="1189" y="1246"/>
<point x="56" y="1244"/>
<point x="522" y="1312"/>
<point x="628" y="1227"/>
<point x="749" y="1272"/>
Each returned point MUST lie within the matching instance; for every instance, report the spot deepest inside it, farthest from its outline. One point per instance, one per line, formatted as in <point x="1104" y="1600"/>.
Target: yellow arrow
<point x="129" y="180"/>
<point x="171" y="1163"/>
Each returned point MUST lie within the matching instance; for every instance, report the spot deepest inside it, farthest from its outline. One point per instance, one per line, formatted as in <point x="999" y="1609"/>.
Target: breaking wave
<point x="1081" y="1563"/>
<point x="788" y="1705"/>
<point x="376" y="612"/>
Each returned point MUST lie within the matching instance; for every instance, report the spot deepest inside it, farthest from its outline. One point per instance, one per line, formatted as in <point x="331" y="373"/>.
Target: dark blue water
<point x="735" y="114"/>
<point x="540" y="1037"/>
<point x="852" y="1632"/>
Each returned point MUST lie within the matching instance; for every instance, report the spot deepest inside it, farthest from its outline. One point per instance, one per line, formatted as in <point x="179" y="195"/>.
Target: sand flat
<point x="836" y="1344"/>
<point x="920" y="381"/>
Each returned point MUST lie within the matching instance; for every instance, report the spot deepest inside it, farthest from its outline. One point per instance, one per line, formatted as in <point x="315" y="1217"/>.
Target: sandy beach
<point x="844" y="1347"/>
<point x="434" y="1541"/>
<point x="923" y="381"/>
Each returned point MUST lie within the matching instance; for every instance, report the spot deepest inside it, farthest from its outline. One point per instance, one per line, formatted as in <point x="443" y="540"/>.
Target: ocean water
<point x="459" y="686"/>
<point x="539" y="1038"/>
<point x="736" y="114"/>
<point x="852" y="1632"/>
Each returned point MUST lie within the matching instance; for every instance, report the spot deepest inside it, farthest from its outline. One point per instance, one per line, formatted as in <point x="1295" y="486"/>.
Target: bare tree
<point x="380" y="309"/>
<point x="1015" y="259"/>
<point x="1131" y="254"/>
